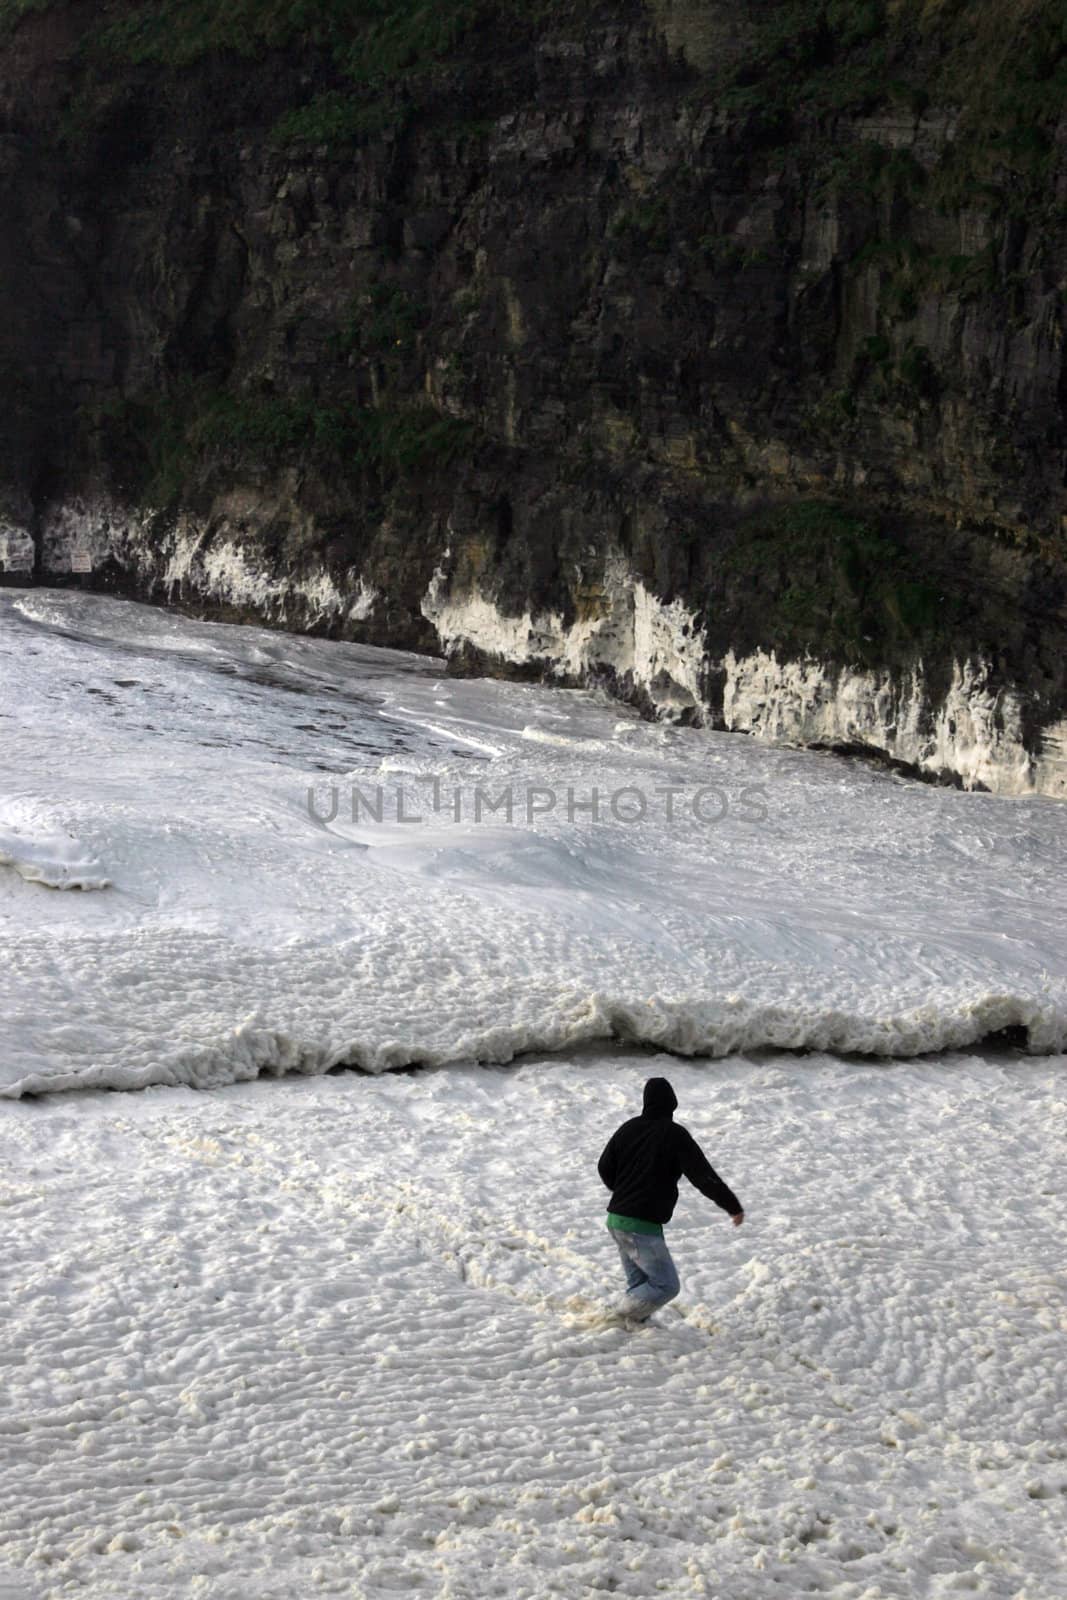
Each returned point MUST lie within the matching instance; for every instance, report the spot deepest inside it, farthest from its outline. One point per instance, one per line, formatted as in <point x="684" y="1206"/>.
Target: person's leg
<point x="634" y="1274"/>
<point x="648" y="1252"/>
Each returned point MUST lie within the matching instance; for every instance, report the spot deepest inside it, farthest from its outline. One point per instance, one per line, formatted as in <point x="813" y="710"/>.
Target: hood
<point x="660" y="1098"/>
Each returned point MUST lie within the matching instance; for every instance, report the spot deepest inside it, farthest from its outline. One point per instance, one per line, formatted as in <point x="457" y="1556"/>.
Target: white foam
<point x="16" y="548"/>
<point x="650" y="644"/>
<point x="100" y="529"/>
<point x="51" y="860"/>
<point x="40" y="852"/>
<point x="657" y="647"/>
<point x="212" y="560"/>
<point x="228" y="571"/>
<point x="347" y="1336"/>
<point x="689" y="889"/>
<point x="974" y="733"/>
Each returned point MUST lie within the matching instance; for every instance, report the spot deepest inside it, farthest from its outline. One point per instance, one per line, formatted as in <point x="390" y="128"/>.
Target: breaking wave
<point x="700" y="1028"/>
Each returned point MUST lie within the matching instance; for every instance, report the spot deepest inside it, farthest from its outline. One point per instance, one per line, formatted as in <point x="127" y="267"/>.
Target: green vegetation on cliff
<point x="832" y="582"/>
<point x="377" y="47"/>
<point x="165" y="440"/>
<point x="563" y="279"/>
<point x="999" y="69"/>
<point x="13" y="11"/>
<point x="375" y="39"/>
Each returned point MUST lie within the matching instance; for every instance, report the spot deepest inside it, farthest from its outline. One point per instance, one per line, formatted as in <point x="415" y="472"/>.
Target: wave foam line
<point x="52" y="862"/>
<point x="717" y="1028"/>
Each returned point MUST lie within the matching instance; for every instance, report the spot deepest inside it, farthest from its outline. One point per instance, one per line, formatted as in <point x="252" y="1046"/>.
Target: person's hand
<point x="737" y="1218"/>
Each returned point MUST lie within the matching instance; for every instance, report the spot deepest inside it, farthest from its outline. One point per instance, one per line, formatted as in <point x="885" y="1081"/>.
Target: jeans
<point x="651" y="1278"/>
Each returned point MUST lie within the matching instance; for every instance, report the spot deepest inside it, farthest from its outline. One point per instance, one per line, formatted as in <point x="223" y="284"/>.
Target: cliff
<point x="710" y="350"/>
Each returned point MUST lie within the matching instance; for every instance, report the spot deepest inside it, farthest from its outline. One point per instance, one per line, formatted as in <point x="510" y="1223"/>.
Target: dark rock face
<point x="714" y="350"/>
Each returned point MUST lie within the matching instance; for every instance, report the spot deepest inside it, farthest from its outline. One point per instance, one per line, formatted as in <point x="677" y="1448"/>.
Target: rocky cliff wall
<point x="713" y="351"/>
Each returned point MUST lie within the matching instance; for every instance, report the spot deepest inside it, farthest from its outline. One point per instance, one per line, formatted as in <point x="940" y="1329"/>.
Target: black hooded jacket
<point x="644" y="1159"/>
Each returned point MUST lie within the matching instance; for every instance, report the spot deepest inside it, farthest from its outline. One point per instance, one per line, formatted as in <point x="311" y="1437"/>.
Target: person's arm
<point x="702" y="1175"/>
<point x="607" y="1164"/>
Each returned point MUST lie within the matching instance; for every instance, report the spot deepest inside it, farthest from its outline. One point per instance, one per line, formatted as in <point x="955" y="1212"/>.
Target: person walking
<point x="641" y="1165"/>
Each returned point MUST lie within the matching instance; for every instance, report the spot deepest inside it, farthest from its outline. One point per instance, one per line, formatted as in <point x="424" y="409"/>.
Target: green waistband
<point x="633" y="1224"/>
